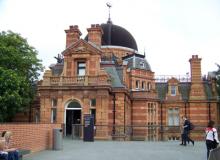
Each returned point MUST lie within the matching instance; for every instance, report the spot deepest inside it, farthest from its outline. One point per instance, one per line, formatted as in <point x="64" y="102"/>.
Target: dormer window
<point x="81" y="68"/>
<point x="142" y="65"/>
<point x="173" y="90"/>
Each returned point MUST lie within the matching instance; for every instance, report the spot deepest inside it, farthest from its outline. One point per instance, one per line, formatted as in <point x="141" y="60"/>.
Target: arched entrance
<point x="73" y="115"/>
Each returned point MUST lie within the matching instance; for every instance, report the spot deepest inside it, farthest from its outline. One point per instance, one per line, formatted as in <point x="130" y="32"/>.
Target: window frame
<point x="173" y="116"/>
<point x="81" y="68"/>
<point x="137" y="84"/>
<point x="173" y="90"/>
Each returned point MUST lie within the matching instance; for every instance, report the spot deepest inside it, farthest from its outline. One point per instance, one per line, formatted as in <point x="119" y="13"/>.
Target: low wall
<point x="34" y="137"/>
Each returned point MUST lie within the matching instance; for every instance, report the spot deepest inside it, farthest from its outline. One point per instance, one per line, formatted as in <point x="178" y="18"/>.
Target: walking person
<point x="211" y="137"/>
<point x="186" y="131"/>
<point x="182" y="133"/>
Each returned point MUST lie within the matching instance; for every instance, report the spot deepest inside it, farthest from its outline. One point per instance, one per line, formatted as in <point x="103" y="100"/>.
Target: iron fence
<point x="139" y="132"/>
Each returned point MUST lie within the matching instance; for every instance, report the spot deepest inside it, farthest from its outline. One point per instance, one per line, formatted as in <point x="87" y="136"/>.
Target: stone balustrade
<point x="76" y="80"/>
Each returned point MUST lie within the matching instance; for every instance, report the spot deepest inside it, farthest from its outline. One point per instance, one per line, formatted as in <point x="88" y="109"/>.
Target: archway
<point x="72" y="115"/>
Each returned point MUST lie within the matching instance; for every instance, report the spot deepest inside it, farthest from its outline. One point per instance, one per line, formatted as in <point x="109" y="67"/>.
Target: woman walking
<point x="211" y="137"/>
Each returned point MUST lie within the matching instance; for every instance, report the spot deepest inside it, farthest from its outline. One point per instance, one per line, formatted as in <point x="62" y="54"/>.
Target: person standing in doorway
<point x="211" y="137"/>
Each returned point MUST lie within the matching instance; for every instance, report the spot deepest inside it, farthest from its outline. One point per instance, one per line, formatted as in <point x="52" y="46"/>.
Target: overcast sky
<point x="170" y="31"/>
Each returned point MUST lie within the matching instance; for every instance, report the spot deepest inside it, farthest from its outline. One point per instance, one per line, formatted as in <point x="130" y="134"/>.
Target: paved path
<point x="120" y="150"/>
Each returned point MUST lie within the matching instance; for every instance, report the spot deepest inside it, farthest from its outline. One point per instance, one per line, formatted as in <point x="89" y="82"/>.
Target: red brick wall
<point x="34" y="137"/>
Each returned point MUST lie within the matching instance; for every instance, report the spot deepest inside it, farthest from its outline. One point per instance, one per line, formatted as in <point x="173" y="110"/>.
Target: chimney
<point x="197" y="87"/>
<point x="95" y="34"/>
<point x="72" y="35"/>
<point x="195" y="66"/>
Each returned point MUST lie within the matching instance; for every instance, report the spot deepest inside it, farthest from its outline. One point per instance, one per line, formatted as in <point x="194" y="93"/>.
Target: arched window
<point x="74" y="104"/>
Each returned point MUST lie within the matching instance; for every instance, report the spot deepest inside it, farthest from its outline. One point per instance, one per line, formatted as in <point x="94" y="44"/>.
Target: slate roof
<point x="57" y="69"/>
<point x="184" y="89"/>
<point x="208" y="91"/>
<point x="162" y="89"/>
<point x="115" y="79"/>
<point x="139" y="60"/>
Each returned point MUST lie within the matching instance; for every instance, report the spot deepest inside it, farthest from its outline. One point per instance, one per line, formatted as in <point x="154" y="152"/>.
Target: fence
<point x="134" y="132"/>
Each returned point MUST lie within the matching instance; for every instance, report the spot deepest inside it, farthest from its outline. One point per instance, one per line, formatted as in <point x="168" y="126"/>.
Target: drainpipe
<point x="113" y="129"/>
<point x="124" y="114"/>
<point x="131" y="118"/>
<point x="161" y="120"/>
<point x="185" y="102"/>
<point x="209" y="106"/>
<point x="30" y="112"/>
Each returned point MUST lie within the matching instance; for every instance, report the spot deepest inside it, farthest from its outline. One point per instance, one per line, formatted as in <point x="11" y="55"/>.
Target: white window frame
<point x="81" y="68"/>
<point x="173" y="117"/>
<point x="143" y="85"/>
<point x="137" y="84"/>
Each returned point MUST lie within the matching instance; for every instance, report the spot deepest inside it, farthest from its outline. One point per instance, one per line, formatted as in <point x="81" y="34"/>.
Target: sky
<point x="169" y="31"/>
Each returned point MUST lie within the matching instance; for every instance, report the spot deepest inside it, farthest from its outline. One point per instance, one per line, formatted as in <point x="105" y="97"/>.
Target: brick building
<point x="105" y="75"/>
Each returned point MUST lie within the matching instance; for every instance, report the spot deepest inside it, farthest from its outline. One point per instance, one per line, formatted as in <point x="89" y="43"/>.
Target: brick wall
<point x="34" y="137"/>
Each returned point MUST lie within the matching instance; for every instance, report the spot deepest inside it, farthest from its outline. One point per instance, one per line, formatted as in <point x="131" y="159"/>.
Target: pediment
<point x="173" y="80"/>
<point x="82" y="47"/>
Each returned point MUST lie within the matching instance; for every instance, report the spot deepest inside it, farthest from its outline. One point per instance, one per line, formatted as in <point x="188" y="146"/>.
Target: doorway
<point x="72" y="117"/>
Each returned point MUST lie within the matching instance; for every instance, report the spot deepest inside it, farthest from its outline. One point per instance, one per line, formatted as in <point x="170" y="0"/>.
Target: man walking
<point x="186" y="131"/>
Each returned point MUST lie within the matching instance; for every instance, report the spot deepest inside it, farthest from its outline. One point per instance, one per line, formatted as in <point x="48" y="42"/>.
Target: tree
<point x="19" y="70"/>
<point x="218" y="79"/>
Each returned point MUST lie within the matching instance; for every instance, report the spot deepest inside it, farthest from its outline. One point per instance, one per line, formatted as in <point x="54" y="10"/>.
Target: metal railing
<point x="139" y="132"/>
<point x="165" y="78"/>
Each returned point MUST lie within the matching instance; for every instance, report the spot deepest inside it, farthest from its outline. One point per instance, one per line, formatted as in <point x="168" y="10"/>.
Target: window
<point x="53" y="110"/>
<point x="148" y="86"/>
<point x="137" y="84"/>
<point x="81" y="68"/>
<point x="53" y="115"/>
<point x="37" y="116"/>
<point x="142" y="85"/>
<point x="173" y="90"/>
<point x="173" y="116"/>
<point x="93" y="112"/>
<point x="54" y="102"/>
<point x="142" y="64"/>
<point x="93" y="102"/>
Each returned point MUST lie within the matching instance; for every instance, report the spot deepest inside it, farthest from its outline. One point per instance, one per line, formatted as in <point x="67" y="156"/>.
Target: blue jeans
<point x="13" y="155"/>
<point x="3" y="156"/>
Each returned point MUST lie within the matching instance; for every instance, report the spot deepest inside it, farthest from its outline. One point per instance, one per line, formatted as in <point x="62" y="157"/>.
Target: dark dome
<point x="116" y="36"/>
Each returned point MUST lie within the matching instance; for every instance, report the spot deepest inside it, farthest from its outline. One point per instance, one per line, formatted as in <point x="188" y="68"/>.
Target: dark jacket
<point x="186" y="126"/>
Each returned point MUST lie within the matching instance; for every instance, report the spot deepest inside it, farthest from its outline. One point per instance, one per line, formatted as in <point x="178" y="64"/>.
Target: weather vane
<point x="109" y="7"/>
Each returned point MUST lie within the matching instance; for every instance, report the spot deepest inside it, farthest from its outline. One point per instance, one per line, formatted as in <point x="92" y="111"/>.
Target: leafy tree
<point x="19" y="70"/>
<point x="218" y="79"/>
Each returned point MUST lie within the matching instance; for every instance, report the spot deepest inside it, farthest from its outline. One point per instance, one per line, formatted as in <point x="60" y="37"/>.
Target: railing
<point x="135" y="132"/>
<point x="165" y="78"/>
<point x="77" y="80"/>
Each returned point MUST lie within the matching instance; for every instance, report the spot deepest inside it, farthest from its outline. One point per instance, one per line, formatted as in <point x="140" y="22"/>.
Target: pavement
<point x="122" y="150"/>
